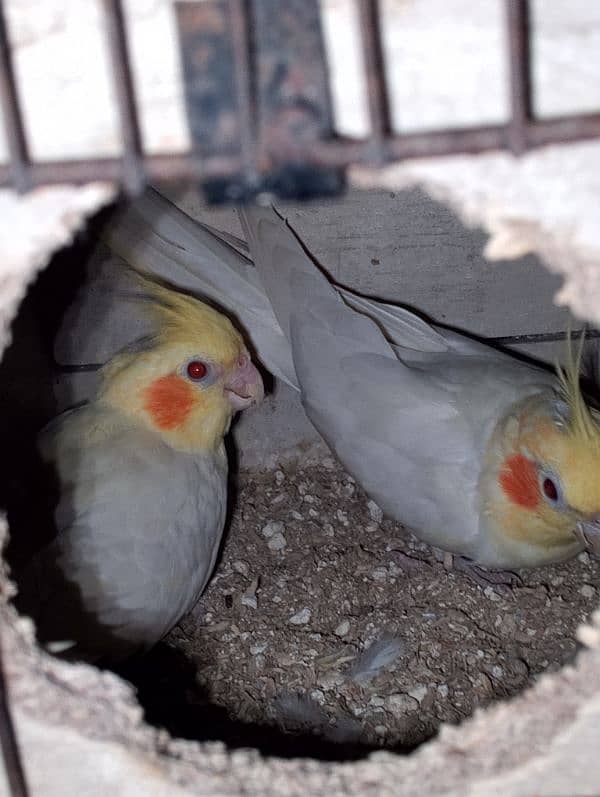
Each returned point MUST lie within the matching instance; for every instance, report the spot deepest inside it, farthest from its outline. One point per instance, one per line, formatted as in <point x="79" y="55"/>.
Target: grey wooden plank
<point x="406" y="247"/>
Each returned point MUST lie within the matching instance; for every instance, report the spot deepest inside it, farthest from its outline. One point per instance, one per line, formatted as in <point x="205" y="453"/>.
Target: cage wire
<point x="266" y="73"/>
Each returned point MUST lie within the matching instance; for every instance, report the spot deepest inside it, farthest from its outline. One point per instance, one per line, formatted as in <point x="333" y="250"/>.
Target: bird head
<point x="545" y="473"/>
<point x="188" y="379"/>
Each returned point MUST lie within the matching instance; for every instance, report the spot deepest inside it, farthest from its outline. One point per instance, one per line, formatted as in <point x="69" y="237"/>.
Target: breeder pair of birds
<point x="478" y="452"/>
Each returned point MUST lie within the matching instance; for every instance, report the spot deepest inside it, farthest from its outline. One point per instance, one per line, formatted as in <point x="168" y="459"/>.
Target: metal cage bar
<point x="241" y="36"/>
<point x="133" y="176"/>
<point x="18" y="171"/>
<point x="377" y="91"/>
<point x="519" y="49"/>
<point x="13" y="764"/>
<point x="523" y="130"/>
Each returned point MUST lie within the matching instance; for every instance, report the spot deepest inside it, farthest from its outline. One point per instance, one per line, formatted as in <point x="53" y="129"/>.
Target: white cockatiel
<point x="478" y="452"/>
<point x="142" y="472"/>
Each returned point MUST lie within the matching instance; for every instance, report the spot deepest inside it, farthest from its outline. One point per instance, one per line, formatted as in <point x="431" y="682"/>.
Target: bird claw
<point x="502" y="580"/>
<point x="406" y="562"/>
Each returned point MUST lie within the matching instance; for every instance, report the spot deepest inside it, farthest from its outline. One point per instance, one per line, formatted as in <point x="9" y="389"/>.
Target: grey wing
<point x="411" y="336"/>
<point x="326" y="336"/>
<point x="105" y="316"/>
<point x="401" y="327"/>
<point x="138" y="532"/>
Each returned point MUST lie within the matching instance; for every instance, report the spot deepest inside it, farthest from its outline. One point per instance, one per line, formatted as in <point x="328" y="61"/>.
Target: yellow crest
<point x="181" y="318"/>
<point x="581" y="421"/>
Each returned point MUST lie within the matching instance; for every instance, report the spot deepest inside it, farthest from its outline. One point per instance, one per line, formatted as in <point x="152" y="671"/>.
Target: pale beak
<point x="244" y="386"/>
<point x="588" y="532"/>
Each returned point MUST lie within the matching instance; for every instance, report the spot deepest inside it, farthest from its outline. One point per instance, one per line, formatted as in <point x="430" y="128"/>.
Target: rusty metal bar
<point x="377" y="93"/>
<point x="133" y="172"/>
<point x="343" y="152"/>
<point x="562" y="129"/>
<point x="246" y="94"/>
<point x="157" y="167"/>
<point x="326" y="152"/>
<point x="519" y="50"/>
<point x="297" y="130"/>
<point x="8" y="740"/>
<point x="13" y="119"/>
<point x="294" y="123"/>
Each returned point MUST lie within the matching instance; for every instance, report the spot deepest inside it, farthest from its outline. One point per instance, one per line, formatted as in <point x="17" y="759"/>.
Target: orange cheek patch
<point x="169" y="401"/>
<point x="518" y="479"/>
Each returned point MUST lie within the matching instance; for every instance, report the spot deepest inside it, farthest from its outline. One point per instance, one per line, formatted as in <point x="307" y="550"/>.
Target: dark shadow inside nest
<point x="167" y="690"/>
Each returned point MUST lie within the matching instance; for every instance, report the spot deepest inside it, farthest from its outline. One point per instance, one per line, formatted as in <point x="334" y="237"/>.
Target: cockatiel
<point x="478" y="452"/>
<point x="143" y="481"/>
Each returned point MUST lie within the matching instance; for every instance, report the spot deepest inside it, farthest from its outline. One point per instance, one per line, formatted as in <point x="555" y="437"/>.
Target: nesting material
<point x="357" y="631"/>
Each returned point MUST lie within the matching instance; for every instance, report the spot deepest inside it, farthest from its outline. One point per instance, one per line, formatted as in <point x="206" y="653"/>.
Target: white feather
<point x="299" y="712"/>
<point x="381" y="654"/>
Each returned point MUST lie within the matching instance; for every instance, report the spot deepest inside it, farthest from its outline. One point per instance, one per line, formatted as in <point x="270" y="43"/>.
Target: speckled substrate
<point x="311" y="575"/>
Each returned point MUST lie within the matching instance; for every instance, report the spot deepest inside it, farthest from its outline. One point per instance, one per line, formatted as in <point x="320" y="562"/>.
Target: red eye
<point x="196" y="370"/>
<point x="549" y="489"/>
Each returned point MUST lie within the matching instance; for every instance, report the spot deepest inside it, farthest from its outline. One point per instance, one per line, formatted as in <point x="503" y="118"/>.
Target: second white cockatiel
<point x="478" y="452"/>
